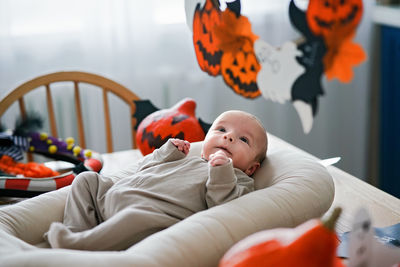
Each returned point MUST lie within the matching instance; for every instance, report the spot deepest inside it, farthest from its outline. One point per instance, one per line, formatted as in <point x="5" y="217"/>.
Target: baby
<point x="165" y="188"/>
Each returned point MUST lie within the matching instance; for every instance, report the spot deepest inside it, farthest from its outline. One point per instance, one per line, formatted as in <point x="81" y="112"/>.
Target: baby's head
<point x="241" y="137"/>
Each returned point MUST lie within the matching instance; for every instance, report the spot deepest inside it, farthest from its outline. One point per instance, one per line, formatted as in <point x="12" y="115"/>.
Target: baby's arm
<point x="166" y="153"/>
<point x="224" y="182"/>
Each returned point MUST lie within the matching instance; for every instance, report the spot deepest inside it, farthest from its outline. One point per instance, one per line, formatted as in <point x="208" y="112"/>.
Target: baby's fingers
<point x="175" y="141"/>
<point x="218" y="159"/>
<point x="186" y="147"/>
<point x="217" y="162"/>
<point x="178" y="143"/>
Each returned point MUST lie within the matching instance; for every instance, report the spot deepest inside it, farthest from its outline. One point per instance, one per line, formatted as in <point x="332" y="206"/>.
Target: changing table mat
<point x="292" y="187"/>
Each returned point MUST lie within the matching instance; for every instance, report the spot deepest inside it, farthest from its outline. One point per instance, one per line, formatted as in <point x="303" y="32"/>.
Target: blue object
<point x="390" y="111"/>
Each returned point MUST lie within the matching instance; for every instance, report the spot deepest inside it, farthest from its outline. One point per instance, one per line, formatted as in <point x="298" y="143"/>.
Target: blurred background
<point x="147" y="47"/>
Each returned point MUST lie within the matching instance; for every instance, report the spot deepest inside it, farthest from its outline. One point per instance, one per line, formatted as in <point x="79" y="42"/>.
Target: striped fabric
<point x="13" y="152"/>
<point x="13" y="146"/>
<point x="21" y="141"/>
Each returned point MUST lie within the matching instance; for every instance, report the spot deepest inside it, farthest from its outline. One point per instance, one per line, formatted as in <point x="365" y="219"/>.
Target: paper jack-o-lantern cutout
<point x="207" y="51"/>
<point x="332" y="18"/>
<point x="177" y="122"/>
<point x="239" y="71"/>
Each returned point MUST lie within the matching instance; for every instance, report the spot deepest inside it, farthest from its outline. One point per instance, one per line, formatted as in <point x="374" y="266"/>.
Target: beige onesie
<point x="166" y="188"/>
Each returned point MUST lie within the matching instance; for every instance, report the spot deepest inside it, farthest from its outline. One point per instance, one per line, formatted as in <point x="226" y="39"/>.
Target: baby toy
<point x="29" y="179"/>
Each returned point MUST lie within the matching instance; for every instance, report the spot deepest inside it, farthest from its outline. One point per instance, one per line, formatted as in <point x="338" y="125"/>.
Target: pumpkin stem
<point x="331" y="221"/>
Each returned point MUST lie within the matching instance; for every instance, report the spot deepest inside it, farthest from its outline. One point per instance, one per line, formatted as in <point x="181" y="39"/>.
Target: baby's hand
<point x="217" y="159"/>
<point x="182" y="145"/>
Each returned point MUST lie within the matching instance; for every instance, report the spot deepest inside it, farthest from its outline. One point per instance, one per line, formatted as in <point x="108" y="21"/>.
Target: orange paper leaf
<point x="340" y="59"/>
<point x="234" y="32"/>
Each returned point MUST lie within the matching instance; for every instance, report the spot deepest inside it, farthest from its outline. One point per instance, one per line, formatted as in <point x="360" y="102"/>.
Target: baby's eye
<point x="244" y="139"/>
<point x="222" y="129"/>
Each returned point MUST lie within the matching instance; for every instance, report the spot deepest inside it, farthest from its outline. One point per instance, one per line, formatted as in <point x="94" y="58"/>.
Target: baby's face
<point x="237" y="135"/>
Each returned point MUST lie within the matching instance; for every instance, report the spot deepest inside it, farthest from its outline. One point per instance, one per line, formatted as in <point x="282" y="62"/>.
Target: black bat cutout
<point x="143" y="109"/>
<point x="158" y="141"/>
<point x="235" y="7"/>
<point x="204" y="125"/>
<point x="307" y="86"/>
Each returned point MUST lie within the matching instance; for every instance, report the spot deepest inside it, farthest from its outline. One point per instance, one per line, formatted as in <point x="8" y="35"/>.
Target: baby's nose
<point x="228" y="137"/>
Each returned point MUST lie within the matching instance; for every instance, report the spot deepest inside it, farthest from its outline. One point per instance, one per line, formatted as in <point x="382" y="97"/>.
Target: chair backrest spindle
<point x="79" y="118"/>
<point x="22" y="110"/>
<point x="107" y="121"/>
<point x="50" y="110"/>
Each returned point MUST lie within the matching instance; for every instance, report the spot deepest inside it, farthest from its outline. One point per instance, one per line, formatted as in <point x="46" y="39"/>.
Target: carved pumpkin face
<point x="207" y="51"/>
<point x="176" y="122"/>
<point x="333" y="17"/>
<point x="240" y="69"/>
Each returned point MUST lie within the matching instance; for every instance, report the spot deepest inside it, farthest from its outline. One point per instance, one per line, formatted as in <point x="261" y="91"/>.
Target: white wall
<point x="140" y="45"/>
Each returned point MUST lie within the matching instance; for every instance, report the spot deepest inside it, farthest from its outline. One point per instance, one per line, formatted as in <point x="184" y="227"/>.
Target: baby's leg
<point x="121" y="231"/>
<point x="84" y="205"/>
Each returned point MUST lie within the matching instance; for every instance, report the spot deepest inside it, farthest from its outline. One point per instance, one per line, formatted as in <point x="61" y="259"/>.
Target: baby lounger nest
<point x="292" y="187"/>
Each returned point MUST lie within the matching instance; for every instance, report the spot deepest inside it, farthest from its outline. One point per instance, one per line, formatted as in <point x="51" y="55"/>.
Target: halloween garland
<point x="225" y="45"/>
<point x="30" y="179"/>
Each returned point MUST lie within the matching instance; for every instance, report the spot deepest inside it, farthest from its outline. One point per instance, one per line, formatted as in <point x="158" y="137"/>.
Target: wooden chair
<point x="76" y="78"/>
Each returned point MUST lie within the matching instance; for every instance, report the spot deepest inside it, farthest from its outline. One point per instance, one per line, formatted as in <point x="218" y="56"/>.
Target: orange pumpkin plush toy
<point x="176" y="122"/>
<point x="312" y="244"/>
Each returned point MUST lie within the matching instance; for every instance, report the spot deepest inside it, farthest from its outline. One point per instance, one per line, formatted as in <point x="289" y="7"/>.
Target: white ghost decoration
<point x="279" y="70"/>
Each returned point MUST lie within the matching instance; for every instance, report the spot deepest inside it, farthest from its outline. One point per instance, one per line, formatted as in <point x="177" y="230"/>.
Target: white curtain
<point x="147" y="46"/>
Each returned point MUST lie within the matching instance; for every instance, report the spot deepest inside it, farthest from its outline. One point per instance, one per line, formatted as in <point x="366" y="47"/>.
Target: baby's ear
<point x="252" y="169"/>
